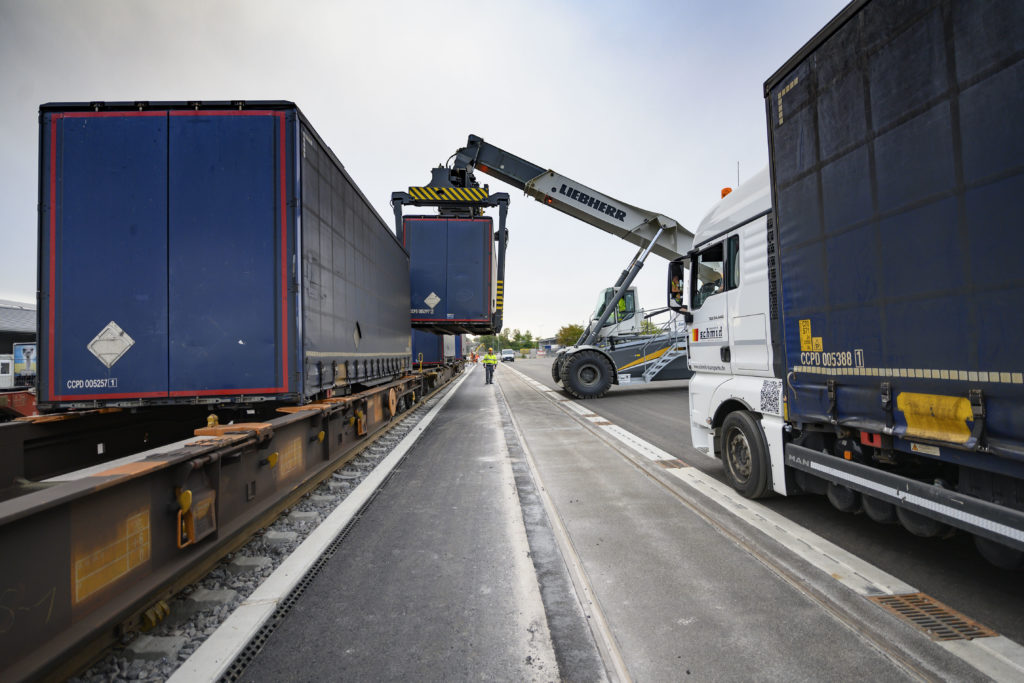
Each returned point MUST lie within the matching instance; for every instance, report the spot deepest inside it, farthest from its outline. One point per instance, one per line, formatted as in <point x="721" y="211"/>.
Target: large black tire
<point x="879" y="510"/>
<point x="745" y="455"/>
<point x="586" y="374"/>
<point x="922" y="526"/>
<point x="556" y="370"/>
<point x="1000" y="555"/>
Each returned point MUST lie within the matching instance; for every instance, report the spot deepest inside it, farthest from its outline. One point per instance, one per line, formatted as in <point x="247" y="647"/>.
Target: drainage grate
<point x="931" y="616"/>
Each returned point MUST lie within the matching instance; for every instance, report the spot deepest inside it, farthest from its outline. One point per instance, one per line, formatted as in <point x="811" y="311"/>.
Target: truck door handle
<point x="725" y="354"/>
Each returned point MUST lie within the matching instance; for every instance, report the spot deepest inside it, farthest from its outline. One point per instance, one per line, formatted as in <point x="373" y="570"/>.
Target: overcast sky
<point x="650" y="102"/>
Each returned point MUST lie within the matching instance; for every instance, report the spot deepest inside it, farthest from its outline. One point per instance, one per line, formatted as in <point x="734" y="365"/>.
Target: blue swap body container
<point x="898" y="189"/>
<point x="208" y="252"/>
<point x="437" y="349"/>
<point x="453" y="274"/>
<point x="430" y="345"/>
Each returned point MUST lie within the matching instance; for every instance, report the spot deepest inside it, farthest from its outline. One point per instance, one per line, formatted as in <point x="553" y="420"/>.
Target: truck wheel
<point x="922" y="526"/>
<point x="879" y="510"/>
<point x="843" y="498"/>
<point x="1000" y="555"/>
<point x="586" y="374"/>
<point x="556" y="370"/>
<point x="745" y="455"/>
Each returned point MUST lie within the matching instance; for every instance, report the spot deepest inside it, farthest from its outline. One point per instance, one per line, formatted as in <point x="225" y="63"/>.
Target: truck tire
<point x="556" y="370"/>
<point x="844" y="498"/>
<point x="745" y="455"/>
<point x="879" y="510"/>
<point x="1000" y="555"/>
<point x="922" y="526"/>
<point x="586" y="374"/>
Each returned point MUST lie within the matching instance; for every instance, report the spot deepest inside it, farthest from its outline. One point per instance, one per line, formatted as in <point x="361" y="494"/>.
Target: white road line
<point x="851" y="571"/>
<point x="1000" y="657"/>
<point x="212" y="659"/>
<point x="615" y="663"/>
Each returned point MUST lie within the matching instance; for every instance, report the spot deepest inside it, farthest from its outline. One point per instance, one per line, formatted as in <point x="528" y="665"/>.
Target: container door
<point x="426" y="242"/>
<point x="469" y="269"/>
<point x="104" y="256"/>
<point x="227" y="239"/>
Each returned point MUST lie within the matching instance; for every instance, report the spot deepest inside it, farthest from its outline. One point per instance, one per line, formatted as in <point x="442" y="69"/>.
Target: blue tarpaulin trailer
<point x="213" y="251"/>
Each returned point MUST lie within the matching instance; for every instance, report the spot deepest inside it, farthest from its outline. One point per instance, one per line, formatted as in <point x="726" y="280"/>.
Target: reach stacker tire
<point x="586" y="374"/>
<point x="556" y="370"/>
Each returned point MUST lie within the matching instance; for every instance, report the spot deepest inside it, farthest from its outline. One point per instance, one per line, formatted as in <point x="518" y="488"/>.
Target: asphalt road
<point x="949" y="570"/>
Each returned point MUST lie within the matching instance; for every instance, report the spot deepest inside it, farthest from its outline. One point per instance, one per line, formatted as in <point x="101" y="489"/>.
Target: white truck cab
<point x="729" y="345"/>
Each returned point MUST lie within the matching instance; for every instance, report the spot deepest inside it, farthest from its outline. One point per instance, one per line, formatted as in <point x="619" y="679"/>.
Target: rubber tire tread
<point x="569" y="374"/>
<point x="556" y="370"/>
<point x="758" y="485"/>
<point x="1000" y="555"/>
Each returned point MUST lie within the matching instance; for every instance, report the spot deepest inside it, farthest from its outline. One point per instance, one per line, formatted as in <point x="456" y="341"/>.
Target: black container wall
<point x="355" y="280"/>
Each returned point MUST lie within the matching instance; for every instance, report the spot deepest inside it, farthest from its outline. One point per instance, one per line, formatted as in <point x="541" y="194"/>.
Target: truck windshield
<point x="708" y="271"/>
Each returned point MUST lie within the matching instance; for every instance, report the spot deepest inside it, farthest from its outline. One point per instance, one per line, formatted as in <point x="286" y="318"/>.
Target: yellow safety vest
<point x="490" y="359"/>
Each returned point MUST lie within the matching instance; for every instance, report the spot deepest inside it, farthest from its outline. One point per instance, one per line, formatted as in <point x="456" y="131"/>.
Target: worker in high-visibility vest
<point x="622" y="309"/>
<point x="490" y="360"/>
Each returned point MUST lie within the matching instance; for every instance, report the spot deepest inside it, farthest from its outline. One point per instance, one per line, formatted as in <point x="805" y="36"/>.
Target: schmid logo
<point x="708" y="334"/>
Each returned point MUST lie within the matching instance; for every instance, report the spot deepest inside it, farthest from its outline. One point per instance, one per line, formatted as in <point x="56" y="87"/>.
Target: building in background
<point x="17" y="324"/>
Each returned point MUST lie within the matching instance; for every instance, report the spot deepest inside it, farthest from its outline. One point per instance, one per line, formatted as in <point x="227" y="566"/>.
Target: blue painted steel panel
<point x="426" y="240"/>
<point x="109" y="249"/>
<point x="469" y="268"/>
<point x="430" y="345"/>
<point x="898" y="192"/>
<point x="224" y="256"/>
<point x="451" y="260"/>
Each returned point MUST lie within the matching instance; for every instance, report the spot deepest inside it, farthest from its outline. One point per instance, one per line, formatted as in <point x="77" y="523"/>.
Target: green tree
<point x="488" y="340"/>
<point x="569" y="334"/>
<point x="647" y="327"/>
<point x="523" y="340"/>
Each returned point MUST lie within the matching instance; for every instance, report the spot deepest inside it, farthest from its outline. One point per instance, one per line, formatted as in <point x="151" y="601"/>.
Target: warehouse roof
<point x="17" y="316"/>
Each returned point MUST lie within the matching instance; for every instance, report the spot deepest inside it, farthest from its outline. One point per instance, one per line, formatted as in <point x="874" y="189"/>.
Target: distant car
<point x="508" y="355"/>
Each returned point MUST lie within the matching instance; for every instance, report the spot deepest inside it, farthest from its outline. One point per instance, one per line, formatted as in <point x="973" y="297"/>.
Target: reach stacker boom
<point x="613" y="348"/>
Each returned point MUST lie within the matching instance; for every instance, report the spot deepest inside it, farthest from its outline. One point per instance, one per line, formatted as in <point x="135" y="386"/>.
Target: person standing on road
<point x="490" y="360"/>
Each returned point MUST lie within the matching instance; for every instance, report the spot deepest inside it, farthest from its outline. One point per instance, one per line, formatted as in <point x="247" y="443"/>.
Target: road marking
<point x="606" y="643"/>
<point x="999" y="657"/>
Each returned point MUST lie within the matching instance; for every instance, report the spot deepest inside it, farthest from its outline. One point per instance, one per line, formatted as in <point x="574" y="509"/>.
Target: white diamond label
<point x="432" y="300"/>
<point x="110" y="344"/>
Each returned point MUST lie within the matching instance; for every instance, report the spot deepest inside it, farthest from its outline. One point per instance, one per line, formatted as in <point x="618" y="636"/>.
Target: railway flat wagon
<point x="215" y="252"/>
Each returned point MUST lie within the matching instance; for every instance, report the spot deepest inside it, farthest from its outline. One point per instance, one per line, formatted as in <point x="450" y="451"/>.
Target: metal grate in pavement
<point x="939" y="621"/>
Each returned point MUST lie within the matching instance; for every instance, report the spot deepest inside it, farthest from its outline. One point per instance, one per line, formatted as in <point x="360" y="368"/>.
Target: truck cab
<point x="729" y="346"/>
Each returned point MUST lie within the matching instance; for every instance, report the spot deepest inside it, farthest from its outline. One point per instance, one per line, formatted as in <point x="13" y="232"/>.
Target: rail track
<point x="95" y="553"/>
